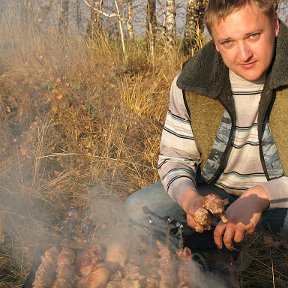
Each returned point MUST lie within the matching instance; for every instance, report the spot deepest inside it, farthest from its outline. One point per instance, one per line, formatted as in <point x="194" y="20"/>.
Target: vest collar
<point x="206" y="73"/>
<point x="279" y="67"/>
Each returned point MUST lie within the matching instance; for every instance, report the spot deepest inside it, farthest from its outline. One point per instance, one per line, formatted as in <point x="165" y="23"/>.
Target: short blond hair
<point x="217" y="10"/>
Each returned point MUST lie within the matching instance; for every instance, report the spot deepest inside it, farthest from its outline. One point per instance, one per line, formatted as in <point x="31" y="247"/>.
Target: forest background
<point x="84" y="91"/>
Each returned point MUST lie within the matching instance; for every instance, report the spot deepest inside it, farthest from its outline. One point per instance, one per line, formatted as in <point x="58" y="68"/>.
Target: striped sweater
<point x="179" y="155"/>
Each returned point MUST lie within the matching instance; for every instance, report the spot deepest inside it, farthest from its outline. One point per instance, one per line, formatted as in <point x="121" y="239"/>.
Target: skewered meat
<point x="66" y="257"/>
<point x="114" y="284"/>
<point x="83" y="282"/>
<point x="117" y="275"/>
<point x="62" y="283"/>
<point x="185" y="278"/>
<point x="150" y="266"/>
<point x="99" y="277"/>
<point x="89" y="259"/>
<point x="184" y="254"/>
<point x="96" y="273"/>
<point x="152" y="278"/>
<point x="132" y="284"/>
<point x="45" y="275"/>
<point x="86" y="268"/>
<point x="203" y="220"/>
<point x="133" y="271"/>
<point x="65" y="270"/>
<point x="116" y="252"/>
<point x="167" y="266"/>
<point x="150" y="261"/>
<point x="93" y="255"/>
<point x="133" y="278"/>
<point x="135" y="258"/>
<point x="152" y="281"/>
<point x="216" y="206"/>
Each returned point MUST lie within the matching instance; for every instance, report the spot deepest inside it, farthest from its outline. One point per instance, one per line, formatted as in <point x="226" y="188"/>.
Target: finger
<point x="250" y="230"/>
<point x="190" y="221"/>
<point x="229" y="236"/>
<point x="239" y="235"/>
<point x="199" y="229"/>
<point x="218" y="234"/>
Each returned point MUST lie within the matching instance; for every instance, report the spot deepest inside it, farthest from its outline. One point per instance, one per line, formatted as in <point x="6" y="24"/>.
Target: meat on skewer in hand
<point x="212" y="206"/>
<point x="216" y="206"/>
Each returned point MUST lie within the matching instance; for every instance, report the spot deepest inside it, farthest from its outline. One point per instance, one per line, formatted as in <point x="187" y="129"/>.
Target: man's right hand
<point x="190" y="202"/>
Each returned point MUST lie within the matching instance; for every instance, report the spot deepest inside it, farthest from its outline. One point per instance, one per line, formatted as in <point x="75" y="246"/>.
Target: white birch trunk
<point x="94" y="27"/>
<point x="194" y="25"/>
<point x="120" y="20"/>
<point x="151" y="26"/>
<point x="26" y="12"/>
<point x="78" y="14"/>
<point x="130" y="16"/>
<point x="45" y="9"/>
<point x="170" y="22"/>
<point x="63" y="19"/>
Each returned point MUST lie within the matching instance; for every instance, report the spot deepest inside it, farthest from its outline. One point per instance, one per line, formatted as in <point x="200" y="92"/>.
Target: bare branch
<point x="102" y="12"/>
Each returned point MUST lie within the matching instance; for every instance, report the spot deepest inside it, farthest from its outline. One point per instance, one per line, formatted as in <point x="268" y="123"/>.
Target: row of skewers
<point x="113" y="265"/>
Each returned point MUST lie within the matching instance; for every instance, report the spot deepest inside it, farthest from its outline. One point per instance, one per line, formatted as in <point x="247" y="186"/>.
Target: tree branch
<point x="102" y="12"/>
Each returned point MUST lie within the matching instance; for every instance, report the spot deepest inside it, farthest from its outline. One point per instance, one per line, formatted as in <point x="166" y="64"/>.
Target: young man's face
<point x="246" y="41"/>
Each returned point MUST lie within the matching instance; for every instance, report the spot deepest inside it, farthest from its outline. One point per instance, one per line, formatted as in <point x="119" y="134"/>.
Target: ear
<point x="216" y="46"/>
<point x="215" y="42"/>
<point x="276" y="26"/>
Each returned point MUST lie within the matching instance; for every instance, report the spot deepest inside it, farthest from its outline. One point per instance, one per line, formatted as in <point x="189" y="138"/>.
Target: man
<point x="226" y="131"/>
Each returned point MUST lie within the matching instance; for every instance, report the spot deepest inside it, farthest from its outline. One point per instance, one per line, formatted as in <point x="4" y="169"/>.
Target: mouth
<point x="248" y="65"/>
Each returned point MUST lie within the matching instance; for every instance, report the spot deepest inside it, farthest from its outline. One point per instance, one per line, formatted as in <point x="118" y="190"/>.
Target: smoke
<point x="203" y="279"/>
<point x="110" y="225"/>
<point x="24" y="221"/>
<point x="32" y="223"/>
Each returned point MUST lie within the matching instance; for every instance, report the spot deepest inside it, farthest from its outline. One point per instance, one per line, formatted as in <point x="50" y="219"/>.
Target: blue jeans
<point x="151" y="209"/>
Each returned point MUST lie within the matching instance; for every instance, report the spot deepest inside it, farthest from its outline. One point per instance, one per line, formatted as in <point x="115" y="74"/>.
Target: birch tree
<point x="120" y="22"/>
<point x="194" y="25"/>
<point x="112" y="15"/>
<point x="63" y="19"/>
<point x="1" y="9"/>
<point x="94" y="27"/>
<point x="26" y="12"/>
<point x="44" y="11"/>
<point x="151" y="25"/>
<point x="130" y="15"/>
<point x="170" y="22"/>
<point x="78" y="14"/>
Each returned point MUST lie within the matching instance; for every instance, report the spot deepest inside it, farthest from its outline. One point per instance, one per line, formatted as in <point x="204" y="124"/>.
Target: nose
<point x="244" y="51"/>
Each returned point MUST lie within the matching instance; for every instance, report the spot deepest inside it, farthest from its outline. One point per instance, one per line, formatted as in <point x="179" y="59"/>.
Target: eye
<point x="227" y="43"/>
<point x="254" y="36"/>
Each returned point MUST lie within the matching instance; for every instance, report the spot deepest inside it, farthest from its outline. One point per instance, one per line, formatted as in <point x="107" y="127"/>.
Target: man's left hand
<point x="243" y="215"/>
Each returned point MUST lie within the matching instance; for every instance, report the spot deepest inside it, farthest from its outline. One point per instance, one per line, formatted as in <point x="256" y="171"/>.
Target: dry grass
<point x="79" y="125"/>
<point x="264" y="261"/>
